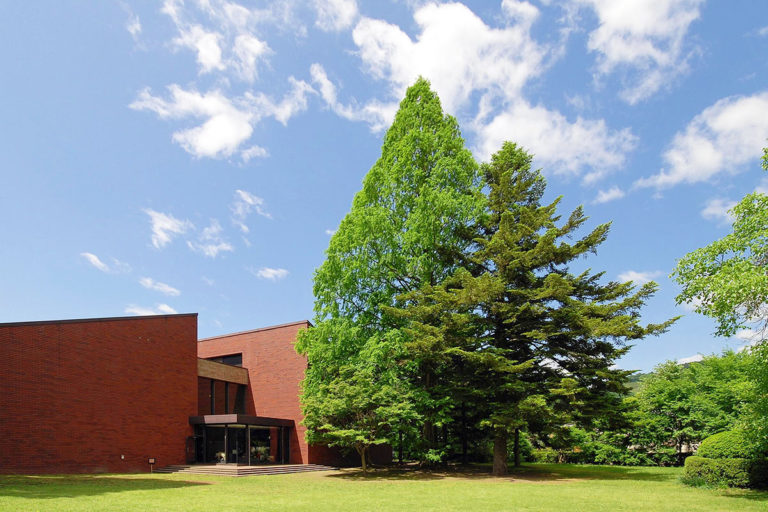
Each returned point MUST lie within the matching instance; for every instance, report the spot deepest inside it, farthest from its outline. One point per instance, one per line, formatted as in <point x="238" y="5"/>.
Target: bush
<point x="731" y="444"/>
<point x="734" y="472"/>
<point x="547" y="455"/>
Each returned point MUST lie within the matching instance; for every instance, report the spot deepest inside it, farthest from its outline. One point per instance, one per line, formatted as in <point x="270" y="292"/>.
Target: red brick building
<point x="109" y="394"/>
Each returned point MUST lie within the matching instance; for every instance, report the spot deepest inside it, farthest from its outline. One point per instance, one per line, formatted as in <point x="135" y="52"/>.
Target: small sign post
<point x="151" y="464"/>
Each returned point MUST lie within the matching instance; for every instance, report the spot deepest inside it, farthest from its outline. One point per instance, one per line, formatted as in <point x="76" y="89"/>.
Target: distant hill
<point x="635" y="381"/>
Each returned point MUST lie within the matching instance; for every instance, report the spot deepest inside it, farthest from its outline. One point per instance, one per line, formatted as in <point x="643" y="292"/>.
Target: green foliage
<point x="535" y="342"/>
<point x="727" y="281"/>
<point x="731" y="444"/>
<point x="682" y="405"/>
<point x="544" y="455"/>
<point x="404" y="230"/>
<point x="732" y="472"/>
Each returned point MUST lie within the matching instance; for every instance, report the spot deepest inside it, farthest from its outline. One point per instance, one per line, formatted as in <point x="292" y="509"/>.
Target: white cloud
<point x="718" y="210"/>
<point x="95" y="261"/>
<point x="482" y="58"/>
<point x="330" y="232"/>
<point x="763" y="31"/>
<point x="205" y="43"/>
<point x="691" y="306"/>
<point x="222" y="34"/>
<point x="762" y="187"/>
<point x="249" y="51"/>
<point x="643" y="39"/>
<point x="210" y="242"/>
<point x="750" y="336"/>
<point x="227" y="123"/>
<point x="335" y="15"/>
<point x="273" y="274"/>
<point x="208" y="281"/>
<point x="605" y="196"/>
<point x="253" y="152"/>
<point x="243" y="205"/>
<point x="117" y="266"/>
<point x="151" y="284"/>
<point x="133" y="26"/>
<point x="165" y="226"/>
<point x="225" y="126"/>
<point x="691" y="359"/>
<point x="639" y="277"/>
<point x="159" y="309"/>
<point x="484" y="79"/>
<point x="569" y="148"/>
<point x="722" y="139"/>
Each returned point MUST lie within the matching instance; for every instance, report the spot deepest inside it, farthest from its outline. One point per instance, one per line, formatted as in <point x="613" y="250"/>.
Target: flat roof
<point x="279" y="326"/>
<point x="240" y="419"/>
<point x="102" y="319"/>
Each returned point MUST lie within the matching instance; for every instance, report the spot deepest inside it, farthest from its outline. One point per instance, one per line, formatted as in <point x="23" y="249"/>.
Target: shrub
<point x="731" y="444"/>
<point x="547" y="455"/>
<point x="734" y="472"/>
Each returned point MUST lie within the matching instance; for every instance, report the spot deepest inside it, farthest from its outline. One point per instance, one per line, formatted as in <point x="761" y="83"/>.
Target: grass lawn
<point x="535" y="487"/>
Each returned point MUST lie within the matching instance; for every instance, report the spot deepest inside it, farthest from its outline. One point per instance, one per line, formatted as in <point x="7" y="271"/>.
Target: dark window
<point x="231" y="359"/>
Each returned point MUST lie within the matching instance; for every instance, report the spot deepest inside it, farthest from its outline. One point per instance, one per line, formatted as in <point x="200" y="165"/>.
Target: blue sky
<point x="160" y="157"/>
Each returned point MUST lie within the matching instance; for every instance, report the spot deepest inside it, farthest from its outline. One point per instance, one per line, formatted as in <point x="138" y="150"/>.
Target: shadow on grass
<point x="73" y="486"/>
<point x="541" y="473"/>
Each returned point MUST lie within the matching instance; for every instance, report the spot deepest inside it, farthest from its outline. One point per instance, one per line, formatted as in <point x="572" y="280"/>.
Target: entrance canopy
<point x="241" y="419"/>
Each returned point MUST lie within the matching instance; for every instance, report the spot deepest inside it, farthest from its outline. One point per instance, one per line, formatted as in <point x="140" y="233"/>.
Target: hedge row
<point x="735" y="472"/>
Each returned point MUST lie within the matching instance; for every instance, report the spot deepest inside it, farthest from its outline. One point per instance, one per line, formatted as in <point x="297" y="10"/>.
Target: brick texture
<point x="83" y="396"/>
<point x="275" y="372"/>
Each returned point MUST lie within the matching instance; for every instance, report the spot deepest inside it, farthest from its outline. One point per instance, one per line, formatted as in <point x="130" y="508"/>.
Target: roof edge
<point x="260" y="329"/>
<point x="89" y="320"/>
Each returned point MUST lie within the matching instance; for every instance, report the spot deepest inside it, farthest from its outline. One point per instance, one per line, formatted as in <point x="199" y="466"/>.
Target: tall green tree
<point x="684" y="404"/>
<point x="728" y="281"/>
<point x="538" y="340"/>
<point x="405" y="229"/>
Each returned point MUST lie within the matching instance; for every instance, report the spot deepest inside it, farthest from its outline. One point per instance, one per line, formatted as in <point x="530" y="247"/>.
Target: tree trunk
<point x="464" y="446"/>
<point x="400" y="450"/>
<point x="517" y="448"/>
<point x="361" y="450"/>
<point x="500" y="452"/>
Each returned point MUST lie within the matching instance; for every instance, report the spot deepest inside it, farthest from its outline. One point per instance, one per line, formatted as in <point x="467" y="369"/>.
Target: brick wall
<point x="79" y="394"/>
<point x="274" y="371"/>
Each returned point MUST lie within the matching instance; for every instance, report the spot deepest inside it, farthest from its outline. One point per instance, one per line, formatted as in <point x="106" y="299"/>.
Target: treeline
<point x="674" y="409"/>
<point x="449" y="323"/>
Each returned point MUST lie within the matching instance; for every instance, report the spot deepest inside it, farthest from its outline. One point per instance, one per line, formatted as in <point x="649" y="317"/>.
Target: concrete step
<point x="232" y="470"/>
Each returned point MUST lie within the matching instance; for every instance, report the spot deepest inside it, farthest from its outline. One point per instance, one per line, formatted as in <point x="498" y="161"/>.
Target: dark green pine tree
<point x="406" y="228"/>
<point x="514" y="323"/>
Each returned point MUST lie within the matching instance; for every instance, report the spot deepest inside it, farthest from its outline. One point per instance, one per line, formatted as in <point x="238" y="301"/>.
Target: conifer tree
<point x="515" y="323"/>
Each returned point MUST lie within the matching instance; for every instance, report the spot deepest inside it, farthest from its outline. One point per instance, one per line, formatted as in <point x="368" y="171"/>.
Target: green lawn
<point x="536" y="487"/>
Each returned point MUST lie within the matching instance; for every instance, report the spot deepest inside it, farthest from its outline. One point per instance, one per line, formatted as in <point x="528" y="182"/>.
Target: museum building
<point x="116" y="394"/>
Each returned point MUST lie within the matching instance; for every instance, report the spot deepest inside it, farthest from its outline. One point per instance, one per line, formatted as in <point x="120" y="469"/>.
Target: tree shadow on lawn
<point x="526" y="473"/>
<point x="73" y="486"/>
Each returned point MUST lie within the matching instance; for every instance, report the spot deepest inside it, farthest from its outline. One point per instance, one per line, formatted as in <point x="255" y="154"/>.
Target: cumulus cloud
<point x="569" y="147"/>
<point x="222" y="34"/>
<point x="227" y="123"/>
<point x="253" y="152"/>
<point x="151" y="284"/>
<point x="483" y="79"/>
<point x="719" y="210"/>
<point x="243" y="205"/>
<point x="605" y="196"/>
<point x="210" y="242"/>
<point x="159" y="309"/>
<point x="639" y="277"/>
<point x="165" y="227"/>
<point x="335" y="15"/>
<point x="721" y="140"/>
<point x="643" y="40"/>
<point x="330" y="232"/>
<point x="272" y="274"/>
